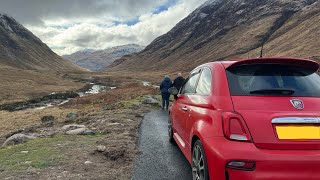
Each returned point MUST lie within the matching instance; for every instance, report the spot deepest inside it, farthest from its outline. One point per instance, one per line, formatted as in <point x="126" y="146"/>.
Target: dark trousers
<point x="165" y="100"/>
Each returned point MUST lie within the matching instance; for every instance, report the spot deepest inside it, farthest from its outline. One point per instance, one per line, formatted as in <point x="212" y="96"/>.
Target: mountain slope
<point x="99" y="60"/>
<point x="226" y="29"/>
<point x="28" y="68"/>
<point x="19" y="48"/>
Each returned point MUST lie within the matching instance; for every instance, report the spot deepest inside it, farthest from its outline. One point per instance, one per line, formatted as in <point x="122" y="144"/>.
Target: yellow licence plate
<point x="296" y="132"/>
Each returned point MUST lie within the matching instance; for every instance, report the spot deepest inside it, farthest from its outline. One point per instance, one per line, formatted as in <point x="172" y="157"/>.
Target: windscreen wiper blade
<point x="275" y="91"/>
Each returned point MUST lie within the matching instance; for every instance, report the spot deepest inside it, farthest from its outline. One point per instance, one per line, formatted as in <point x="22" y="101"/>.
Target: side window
<point x="204" y="85"/>
<point x="190" y="85"/>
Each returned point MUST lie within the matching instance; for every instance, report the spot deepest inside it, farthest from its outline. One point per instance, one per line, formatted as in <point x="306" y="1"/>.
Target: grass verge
<point x="40" y="153"/>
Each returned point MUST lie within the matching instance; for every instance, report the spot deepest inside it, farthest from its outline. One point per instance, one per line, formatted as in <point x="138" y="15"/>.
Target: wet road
<point x="159" y="158"/>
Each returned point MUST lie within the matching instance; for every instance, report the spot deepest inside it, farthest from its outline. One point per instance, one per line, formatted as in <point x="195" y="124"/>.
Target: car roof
<point x="267" y="60"/>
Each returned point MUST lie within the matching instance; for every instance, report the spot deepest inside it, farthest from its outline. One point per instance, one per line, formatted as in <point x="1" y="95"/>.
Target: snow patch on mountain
<point x="97" y="60"/>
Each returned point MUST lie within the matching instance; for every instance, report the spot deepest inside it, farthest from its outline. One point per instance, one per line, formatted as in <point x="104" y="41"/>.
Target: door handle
<point x="184" y="109"/>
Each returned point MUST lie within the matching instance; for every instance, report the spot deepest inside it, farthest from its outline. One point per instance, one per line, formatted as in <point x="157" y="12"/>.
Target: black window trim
<point x="210" y="93"/>
<point x="193" y="73"/>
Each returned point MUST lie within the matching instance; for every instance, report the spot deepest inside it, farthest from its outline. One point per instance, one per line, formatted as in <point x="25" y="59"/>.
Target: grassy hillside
<point x="18" y="85"/>
<point x="222" y="30"/>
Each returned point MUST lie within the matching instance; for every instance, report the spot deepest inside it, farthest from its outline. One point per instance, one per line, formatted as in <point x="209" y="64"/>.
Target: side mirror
<point x="173" y="91"/>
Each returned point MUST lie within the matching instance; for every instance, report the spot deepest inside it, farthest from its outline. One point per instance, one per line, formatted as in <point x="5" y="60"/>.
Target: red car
<point x="250" y="119"/>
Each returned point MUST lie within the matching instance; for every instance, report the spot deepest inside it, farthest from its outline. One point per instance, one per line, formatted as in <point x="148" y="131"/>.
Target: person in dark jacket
<point x="166" y="84"/>
<point x="178" y="82"/>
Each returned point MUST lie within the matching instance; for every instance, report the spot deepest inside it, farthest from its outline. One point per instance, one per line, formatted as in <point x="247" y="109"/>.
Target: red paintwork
<point x="275" y="159"/>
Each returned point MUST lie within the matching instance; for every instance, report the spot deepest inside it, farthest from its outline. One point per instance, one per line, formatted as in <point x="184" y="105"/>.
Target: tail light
<point x="235" y="128"/>
<point x="242" y="165"/>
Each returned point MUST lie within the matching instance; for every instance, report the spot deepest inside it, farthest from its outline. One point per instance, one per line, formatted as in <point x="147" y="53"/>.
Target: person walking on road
<point x="166" y="84"/>
<point x="178" y="82"/>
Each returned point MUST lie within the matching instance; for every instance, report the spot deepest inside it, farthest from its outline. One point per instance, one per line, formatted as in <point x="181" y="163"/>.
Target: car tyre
<point x="199" y="162"/>
<point x="170" y="131"/>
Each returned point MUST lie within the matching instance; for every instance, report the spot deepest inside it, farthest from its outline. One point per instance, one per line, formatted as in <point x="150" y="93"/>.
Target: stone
<point x="150" y="100"/>
<point x="88" y="162"/>
<point x="32" y="170"/>
<point x="17" y="139"/>
<point x="72" y="127"/>
<point x="115" y="124"/>
<point x="71" y="117"/>
<point x="101" y="148"/>
<point x="89" y="132"/>
<point x="47" y="120"/>
<point x="78" y="131"/>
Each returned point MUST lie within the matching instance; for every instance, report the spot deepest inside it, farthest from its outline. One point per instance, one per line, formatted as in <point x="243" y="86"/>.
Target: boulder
<point x="150" y="100"/>
<point x="88" y="132"/>
<point x="81" y="131"/>
<point x="47" y="120"/>
<point x="78" y="131"/>
<point x="72" y="127"/>
<point x="71" y="117"/>
<point x="17" y="139"/>
<point x="101" y="148"/>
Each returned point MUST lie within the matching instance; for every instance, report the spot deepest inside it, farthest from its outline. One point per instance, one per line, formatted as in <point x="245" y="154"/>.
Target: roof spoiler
<point x="305" y="63"/>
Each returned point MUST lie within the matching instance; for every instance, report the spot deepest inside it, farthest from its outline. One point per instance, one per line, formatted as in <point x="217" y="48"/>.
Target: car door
<point x="183" y="103"/>
<point x="198" y="108"/>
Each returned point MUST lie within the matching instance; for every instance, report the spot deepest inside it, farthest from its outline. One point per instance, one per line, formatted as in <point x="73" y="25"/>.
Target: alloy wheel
<point x="170" y="129"/>
<point x="198" y="164"/>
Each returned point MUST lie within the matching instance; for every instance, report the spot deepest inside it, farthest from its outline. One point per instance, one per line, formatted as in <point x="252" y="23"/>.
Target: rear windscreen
<point x="272" y="79"/>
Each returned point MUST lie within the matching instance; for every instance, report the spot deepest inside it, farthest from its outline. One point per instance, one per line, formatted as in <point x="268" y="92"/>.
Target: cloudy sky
<point x="67" y="26"/>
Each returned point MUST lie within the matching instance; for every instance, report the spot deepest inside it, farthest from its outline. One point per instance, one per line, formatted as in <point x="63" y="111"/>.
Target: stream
<point x="55" y="99"/>
<point x="58" y="99"/>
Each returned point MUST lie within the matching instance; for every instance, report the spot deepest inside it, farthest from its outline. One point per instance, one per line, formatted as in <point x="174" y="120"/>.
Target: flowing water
<point x="55" y="99"/>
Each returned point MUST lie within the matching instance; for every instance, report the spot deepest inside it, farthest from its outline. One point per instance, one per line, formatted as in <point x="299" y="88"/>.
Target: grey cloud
<point x="73" y="25"/>
<point x="32" y="12"/>
<point x="96" y="40"/>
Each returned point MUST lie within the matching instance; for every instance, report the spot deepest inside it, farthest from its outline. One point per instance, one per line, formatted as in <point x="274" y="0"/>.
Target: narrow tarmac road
<point x="159" y="158"/>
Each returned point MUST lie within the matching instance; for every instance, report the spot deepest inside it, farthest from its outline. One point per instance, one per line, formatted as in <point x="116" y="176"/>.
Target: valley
<point x="60" y="121"/>
<point x="79" y="116"/>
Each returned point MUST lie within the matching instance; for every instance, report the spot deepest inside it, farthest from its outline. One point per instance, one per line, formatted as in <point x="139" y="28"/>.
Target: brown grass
<point x="20" y="85"/>
<point x="115" y="116"/>
<point x="11" y="121"/>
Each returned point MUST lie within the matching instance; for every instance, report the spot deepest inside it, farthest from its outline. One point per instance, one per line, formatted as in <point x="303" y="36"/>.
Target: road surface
<point x="159" y="159"/>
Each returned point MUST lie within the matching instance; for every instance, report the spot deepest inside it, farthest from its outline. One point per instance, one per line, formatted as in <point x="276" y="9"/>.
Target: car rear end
<point x="274" y="131"/>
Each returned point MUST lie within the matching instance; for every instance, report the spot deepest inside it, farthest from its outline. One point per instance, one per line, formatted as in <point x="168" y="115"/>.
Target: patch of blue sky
<point x="165" y="6"/>
<point x="129" y="22"/>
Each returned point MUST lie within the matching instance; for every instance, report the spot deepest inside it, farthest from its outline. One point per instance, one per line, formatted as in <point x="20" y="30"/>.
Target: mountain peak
<point x="7" y="22"/>
<point x="97" y="60"/>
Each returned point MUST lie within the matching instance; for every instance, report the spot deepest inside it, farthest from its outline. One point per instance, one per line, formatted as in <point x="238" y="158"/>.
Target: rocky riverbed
<point x="55" y="99"/>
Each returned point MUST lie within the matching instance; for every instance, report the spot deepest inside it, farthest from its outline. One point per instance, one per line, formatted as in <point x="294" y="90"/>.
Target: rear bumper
<point x="270" y="164"/>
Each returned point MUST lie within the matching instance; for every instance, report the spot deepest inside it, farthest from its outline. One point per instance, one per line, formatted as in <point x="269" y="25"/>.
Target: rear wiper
<point x="276" y="91"/>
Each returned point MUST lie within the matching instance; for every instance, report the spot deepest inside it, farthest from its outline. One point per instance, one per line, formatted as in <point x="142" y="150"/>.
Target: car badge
<point x="296" y="103"/>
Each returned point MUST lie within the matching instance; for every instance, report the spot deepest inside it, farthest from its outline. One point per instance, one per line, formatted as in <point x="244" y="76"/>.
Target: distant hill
<point x="99" y="60"/>
<point x="227" y="29"/>
<point x="19" y="48"/>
